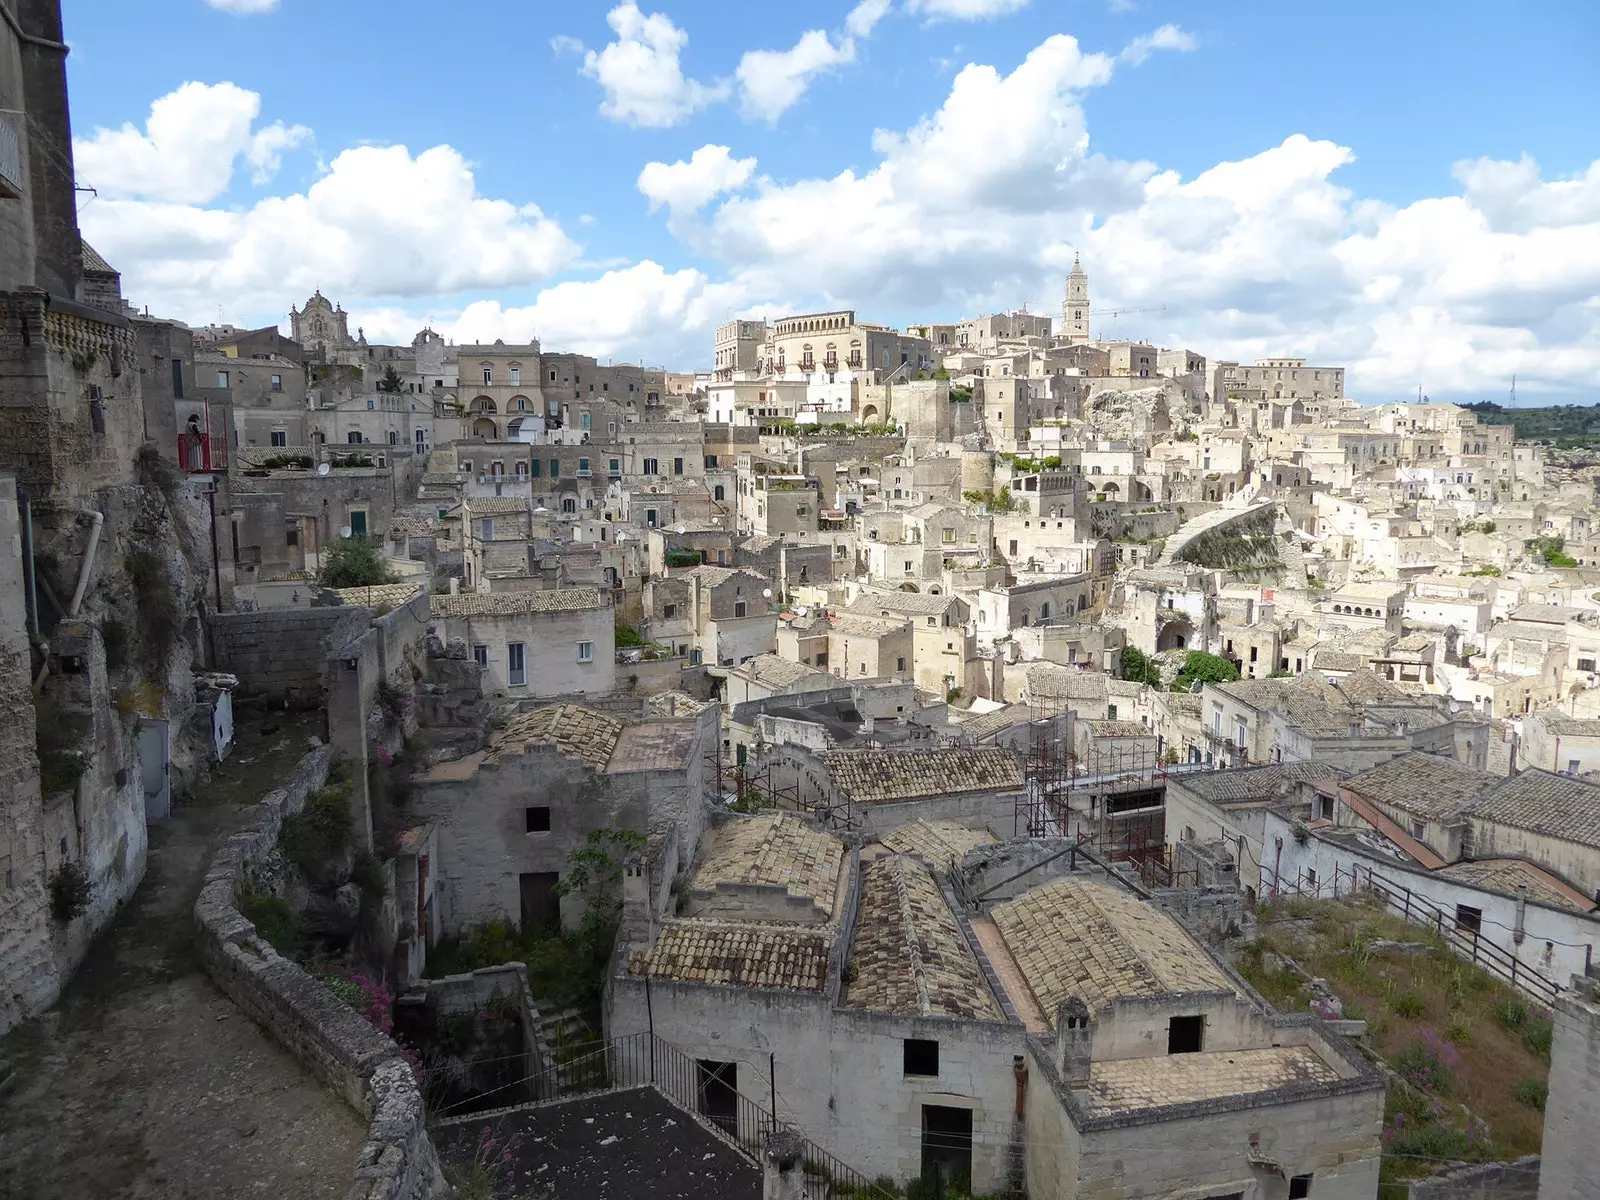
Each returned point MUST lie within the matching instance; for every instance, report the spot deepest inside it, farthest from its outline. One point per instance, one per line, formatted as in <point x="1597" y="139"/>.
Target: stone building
<point x="542" y="644"/>
<point x="1043" y="1045"/>
<point x="1572" y="1110"/>
<point x="507" y="817"/>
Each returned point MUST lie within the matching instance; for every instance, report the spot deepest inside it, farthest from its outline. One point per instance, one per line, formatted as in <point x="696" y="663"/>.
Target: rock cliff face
<point x="120" y="583"/>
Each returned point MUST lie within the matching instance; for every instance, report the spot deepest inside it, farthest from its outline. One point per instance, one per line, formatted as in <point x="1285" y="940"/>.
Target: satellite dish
<point x="801" y="611"/>
<point x="344" y="531"/>
<point x="540" y="510"/>
<point x="766" y="593"/>
<point x="323" y="468"/>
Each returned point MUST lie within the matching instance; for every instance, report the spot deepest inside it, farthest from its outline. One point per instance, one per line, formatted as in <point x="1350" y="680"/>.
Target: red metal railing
<point x="201" y="454"/>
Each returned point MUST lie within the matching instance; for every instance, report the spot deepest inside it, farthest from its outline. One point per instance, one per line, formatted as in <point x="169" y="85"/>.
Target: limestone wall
<point x="347" y="1054"/>
<point x="282" y="653"/>
<point x="1572" y="1112"/>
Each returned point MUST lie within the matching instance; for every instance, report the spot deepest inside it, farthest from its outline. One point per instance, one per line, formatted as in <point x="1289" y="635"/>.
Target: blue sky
<point x="1410" y="189"/>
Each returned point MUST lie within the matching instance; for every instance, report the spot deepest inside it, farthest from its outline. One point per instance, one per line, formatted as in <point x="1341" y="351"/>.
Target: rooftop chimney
<point x="1074" y="1042"/>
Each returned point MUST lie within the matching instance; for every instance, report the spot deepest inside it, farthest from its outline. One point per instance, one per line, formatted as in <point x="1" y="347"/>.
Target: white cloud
<point x="244" y="7"/>
<point x="188" y="147"/>
<point x="965" y="10"/>
<point x="864" y="17"/>
<point x="1265" y="255"/>
<point x="1167" y="37"/>
<point x="685" y="187"/>
<point x="772" y="81"/>
<point x="641" y="73"/>
<point x="380" y="222"/>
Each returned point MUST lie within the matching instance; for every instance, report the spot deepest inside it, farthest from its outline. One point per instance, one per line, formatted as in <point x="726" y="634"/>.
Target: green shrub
<point x="1407" y="1005"/>
<point x="70" y="889"/>
<point x="367" y="873"/>
<point x="355" y="561"/>
<point x="628" y="637"/>
<point x="60" y="769"/>
<point x="1458" y="1032"/>
<point x="1511" y="1014"/>
<point x="273" y="918"/>
<point x="1533" y="1092"/>
<point x="1537" y="1035"/>
<point x="320" y="832"/>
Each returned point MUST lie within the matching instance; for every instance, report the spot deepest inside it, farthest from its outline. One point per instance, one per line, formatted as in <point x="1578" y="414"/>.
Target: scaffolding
<point x="1113" y="806"/>
<point x="746" y="788"/>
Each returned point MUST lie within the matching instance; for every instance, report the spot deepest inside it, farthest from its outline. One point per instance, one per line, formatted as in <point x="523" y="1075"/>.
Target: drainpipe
<point x="88" y="560"/>
<point x="1520" y="931"/>
<point x="1019" y="1071"/>
<point x="216" y="559"/>
<point x="25" y="502"/>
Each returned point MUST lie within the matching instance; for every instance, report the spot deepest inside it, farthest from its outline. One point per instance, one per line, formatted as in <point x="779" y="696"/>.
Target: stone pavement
<point x="145" y="1081"/>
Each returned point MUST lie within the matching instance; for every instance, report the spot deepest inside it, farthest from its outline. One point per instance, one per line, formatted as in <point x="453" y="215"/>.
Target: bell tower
<point x="1075" y="308"/>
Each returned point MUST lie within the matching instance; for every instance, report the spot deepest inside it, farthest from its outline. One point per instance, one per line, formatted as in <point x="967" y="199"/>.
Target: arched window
<point x="718" y="492"/>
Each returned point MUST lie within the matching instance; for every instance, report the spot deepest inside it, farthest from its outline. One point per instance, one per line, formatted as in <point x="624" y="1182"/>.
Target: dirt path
<point x="145" y="1081"/>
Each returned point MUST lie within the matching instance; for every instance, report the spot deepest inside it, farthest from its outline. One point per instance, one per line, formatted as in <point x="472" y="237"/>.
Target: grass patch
<point x="273" y="919"/>
<point x="1467" y="1047"/>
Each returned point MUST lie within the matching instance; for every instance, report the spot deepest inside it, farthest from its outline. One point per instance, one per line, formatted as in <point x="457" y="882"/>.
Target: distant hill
<point x="1567" y="425"/>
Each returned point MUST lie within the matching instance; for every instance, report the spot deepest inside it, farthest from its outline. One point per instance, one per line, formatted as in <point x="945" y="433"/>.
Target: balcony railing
<point x="202" y="455"/>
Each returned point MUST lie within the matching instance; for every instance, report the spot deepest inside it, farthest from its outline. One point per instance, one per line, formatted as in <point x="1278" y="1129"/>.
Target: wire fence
<point x="1459" y="931"/>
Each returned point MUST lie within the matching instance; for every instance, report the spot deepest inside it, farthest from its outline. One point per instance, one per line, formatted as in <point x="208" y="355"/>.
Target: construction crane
<point x="1114" y="313"/>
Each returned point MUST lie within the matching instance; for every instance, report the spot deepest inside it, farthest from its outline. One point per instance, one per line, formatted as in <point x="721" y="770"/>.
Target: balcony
<point x="202" y="455"/>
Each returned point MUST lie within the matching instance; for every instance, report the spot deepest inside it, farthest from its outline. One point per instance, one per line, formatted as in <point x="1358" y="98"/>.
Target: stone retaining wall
<point x="353" y="1058"/>
<point x="282" y="653"/>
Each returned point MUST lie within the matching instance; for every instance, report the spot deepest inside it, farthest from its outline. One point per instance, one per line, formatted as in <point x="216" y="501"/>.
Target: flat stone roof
<point x="622" y="1144"/>
<point x="909" y="954"/>
<point x="1090" y="940"/>
<point x="1129" y="1085"/>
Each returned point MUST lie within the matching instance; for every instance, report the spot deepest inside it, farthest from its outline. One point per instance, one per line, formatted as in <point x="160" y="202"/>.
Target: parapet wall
<point x="347" y="1054"/>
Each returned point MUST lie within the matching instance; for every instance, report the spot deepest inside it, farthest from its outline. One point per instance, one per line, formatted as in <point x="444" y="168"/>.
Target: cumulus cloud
<point x="965" y="10"/>
<point x="641" y="72"/>
<point x="772" y="81"/>
<point x="379" y="222"/>
<point x="642" y="311"/>
<point x="244" y="7"/>
<point x="687" y="186"/>
<point x="864" y="17"/>
<point x="187" y="149"/>
<point x="1167" y="37"/>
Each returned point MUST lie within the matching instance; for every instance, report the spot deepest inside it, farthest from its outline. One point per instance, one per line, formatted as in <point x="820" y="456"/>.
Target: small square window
<point x="1185" y="1035"/>
<point x="1299" y="1187"/>
<point x="585" y="652"/>
<point x="537" y="819"/>
<point x="480" y="655"/>
<point x="921" y="1056"/>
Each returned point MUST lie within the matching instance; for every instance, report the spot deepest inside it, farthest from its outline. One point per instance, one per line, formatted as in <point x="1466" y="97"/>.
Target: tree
<point x="1139" y="667"/>
<point x="390" y="381"/>
<point x="355" y="561"/>
<point x="1551" y="551"/>
<point x="1200" y="667"/>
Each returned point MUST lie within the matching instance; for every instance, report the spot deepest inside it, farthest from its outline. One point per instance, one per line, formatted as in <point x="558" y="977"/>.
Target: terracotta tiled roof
<point x="496" y="506"/>
<point x="1089" y="940"/>
<point x="936" y="842"/>
<point x="887" y="776"/>
<point x="739" y="954"/>
<point x="390" y="594"/>
<point x="505" y="604"/>
<point x="1253" y="784"/>
<point x="1504" y="874"/>
<point x="776" y="849"/>
<point x="574" y="730"/>
<point x="1128" y="1085"/>
<point x="1543" y="802"/>
<point x="1421" y="785"/>
<point x="910" y="955"/>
